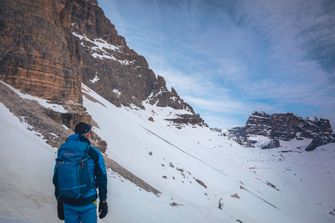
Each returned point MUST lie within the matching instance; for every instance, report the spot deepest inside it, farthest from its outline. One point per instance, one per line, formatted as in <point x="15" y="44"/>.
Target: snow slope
<point x="26" y="173"/>
<point x="176" y="160"/>
<point x="26" y="183"/>
<point x="195" y="168"/>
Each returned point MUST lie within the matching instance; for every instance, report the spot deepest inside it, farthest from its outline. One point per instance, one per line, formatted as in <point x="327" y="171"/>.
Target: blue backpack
<point x="72" y="172"/>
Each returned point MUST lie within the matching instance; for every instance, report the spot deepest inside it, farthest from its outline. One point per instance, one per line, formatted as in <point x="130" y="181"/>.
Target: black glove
<point x="60" y="210"/>
<point x="103" y="209"/>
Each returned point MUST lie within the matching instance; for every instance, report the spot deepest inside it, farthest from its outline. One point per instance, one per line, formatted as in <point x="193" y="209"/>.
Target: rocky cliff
<point x="35" y="55"/>
<point x="283" y="127"/>
<point x="49" y="47"/>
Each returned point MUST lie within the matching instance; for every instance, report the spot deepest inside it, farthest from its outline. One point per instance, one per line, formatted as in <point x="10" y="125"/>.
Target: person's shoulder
<point x="94" y="152"/>
<point x="83" y="139"/>
<point x="95" y="149"/>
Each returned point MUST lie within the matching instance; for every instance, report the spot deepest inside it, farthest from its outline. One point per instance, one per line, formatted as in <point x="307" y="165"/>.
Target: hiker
<point x="79" y="171"/>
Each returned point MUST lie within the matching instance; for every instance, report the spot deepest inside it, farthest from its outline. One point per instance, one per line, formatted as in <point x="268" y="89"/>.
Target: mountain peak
<point x="283" y="126"/>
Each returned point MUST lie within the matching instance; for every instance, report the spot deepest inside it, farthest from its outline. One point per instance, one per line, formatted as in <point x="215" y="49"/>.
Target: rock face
<point x="34" y="51"/>
<point x="49" y="47"/>
<point x="283" y="127"/>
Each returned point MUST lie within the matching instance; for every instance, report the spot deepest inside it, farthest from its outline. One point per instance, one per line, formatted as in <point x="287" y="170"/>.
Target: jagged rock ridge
<point x="49" y="47"/>
<point x="283" y="127"/>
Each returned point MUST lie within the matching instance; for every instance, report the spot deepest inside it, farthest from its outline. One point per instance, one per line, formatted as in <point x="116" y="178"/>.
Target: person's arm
<point x="100" y="172"/>
<point x="60" y="207"/>
<point x="54" y="180"/>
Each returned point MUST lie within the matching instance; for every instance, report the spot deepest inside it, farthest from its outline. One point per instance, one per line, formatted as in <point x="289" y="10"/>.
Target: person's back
<point x="79" y="170"/>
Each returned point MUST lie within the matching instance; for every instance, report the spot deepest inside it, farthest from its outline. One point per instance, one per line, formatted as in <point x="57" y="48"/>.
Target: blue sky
<point x="230" y="58"/>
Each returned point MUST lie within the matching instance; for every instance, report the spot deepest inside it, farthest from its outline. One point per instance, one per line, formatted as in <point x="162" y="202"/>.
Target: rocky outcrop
<point x="48" y="47"/>
<point x="53" y="126"/>
<point x="188" y="119"/>
<point x="319" y="141"/>
<point x="283" y="127"/>
<point x="162" y="97"/>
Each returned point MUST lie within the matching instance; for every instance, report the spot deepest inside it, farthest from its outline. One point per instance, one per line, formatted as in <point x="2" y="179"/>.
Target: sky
<point x="228" y="59"/>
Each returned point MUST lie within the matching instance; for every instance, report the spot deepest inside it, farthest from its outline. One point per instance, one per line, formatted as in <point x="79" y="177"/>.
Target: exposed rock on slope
<point x="283" y="127"/>
<point x="47" y="122"/>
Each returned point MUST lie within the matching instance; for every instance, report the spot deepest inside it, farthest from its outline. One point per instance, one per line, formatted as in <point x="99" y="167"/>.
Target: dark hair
<point x="82" y="128"/>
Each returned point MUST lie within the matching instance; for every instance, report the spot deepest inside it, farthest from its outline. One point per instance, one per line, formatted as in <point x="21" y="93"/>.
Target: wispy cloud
<point x="293" y="72"/>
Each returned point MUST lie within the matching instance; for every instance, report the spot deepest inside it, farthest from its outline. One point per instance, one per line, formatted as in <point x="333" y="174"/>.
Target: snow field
<point x="278" y="185"/>
<point x="158" y="153"/>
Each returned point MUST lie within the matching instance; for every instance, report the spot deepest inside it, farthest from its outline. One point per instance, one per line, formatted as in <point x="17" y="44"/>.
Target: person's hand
<point x="60" y="210"/>
<point x="103" y="209"/>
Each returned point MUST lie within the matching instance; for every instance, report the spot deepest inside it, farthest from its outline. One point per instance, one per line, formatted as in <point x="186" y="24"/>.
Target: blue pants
<point x="80" y="214"/>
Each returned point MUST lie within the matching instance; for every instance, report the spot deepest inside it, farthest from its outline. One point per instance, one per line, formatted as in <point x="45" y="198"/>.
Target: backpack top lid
<point x="74" y="149"/>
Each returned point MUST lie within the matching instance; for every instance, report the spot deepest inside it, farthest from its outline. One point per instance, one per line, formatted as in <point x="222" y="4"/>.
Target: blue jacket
<point x="96" y="167"/>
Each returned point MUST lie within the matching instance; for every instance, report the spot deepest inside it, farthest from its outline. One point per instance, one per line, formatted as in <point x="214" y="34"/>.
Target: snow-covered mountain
<point x="63" y="62"/>
<point x="200" y="174"/>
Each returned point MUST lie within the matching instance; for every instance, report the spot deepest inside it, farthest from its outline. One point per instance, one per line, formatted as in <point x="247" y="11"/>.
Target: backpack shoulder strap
<point x="93" y="155"/>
